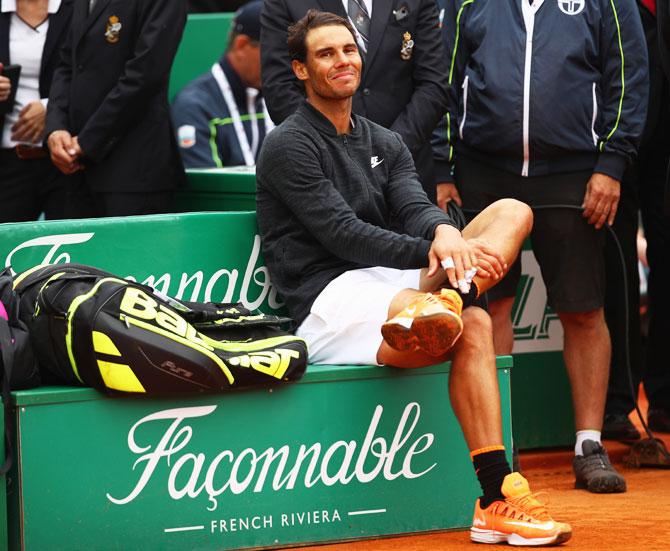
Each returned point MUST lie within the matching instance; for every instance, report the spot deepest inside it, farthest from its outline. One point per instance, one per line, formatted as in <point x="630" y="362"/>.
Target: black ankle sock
<point x="471" y="297"/>
<point x="491" y="468"/>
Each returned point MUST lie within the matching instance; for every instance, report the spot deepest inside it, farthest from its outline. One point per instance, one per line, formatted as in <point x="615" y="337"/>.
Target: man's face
<point x="332" y="69"/>
<point x="255" y="65"/>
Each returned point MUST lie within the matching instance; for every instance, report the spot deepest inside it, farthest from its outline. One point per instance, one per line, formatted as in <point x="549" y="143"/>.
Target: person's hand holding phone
<point x="5" y="85"/>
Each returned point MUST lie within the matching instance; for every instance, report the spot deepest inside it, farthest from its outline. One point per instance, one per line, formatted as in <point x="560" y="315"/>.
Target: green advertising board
<point x="349" y="452"/>
<point x="367" y="453"/>
<point x="186" y="256"/>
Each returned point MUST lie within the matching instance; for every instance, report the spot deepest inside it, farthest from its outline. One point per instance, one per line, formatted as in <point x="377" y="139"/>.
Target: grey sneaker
<point x="594" y="472"/>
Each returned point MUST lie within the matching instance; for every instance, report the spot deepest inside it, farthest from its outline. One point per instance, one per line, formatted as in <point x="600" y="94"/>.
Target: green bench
<point x="349" y="452"/>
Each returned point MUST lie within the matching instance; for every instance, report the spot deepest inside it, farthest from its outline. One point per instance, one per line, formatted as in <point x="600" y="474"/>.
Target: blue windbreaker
<point x="544" y="87"/>
<point x="203" y="124"/>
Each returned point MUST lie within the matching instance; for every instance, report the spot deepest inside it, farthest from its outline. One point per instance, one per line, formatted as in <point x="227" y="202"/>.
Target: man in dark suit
<point x="108" y="121"/>
<point x="642" y="192"/>
<point x="30" y="35"/>
<point x="403" y="85"/>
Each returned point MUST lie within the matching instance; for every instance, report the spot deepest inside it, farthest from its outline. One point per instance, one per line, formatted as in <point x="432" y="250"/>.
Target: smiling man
<point x="329" y="182"/>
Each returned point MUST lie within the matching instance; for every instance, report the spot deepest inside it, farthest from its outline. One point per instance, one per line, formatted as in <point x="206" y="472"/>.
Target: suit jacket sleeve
<point x="59" y="93"/>
<point x="663" y="21"/>
<point x="281" y="90"/>
<point x="159" y="34"/>
<point x="429" y="99"/>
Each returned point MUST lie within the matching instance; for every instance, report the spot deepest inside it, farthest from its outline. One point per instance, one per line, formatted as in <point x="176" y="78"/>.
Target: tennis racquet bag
<point x="91" y="328"/>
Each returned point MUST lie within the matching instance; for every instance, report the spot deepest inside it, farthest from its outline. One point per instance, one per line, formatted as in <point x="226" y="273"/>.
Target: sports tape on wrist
<point x="463" y="286"/>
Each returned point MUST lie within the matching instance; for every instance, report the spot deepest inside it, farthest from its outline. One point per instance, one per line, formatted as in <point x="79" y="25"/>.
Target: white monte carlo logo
<point x="571" y="7"/>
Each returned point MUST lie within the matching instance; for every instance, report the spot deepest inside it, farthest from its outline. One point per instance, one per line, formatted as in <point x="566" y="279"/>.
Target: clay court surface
<point x="636" y="520"/>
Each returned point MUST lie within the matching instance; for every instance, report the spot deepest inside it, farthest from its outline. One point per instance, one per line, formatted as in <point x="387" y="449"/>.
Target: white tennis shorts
<point x="344" y="323"/>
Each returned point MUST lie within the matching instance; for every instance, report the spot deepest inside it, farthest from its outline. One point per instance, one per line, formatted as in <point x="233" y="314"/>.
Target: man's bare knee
<point x="477" y="328"/>
<point x="502" y="223"/>
<point x="517" y="211"/>
<point x="583" y="320"/>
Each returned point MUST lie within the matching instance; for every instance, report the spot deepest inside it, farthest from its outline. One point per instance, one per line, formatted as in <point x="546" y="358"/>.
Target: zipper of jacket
<point x="529" y="12"/>
<point x="595" y="117"/>
<point x="465" y="106"/>
<point x="345" y="142"/>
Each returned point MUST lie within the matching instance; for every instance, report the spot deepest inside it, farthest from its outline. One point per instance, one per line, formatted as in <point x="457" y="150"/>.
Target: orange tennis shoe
<point x="521" y="519"/>
<point x="431" y="322"/>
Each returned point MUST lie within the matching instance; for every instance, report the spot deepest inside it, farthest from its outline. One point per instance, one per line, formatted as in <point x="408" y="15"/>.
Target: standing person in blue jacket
<point x="220" y="117"/>
<point x="547" y="104"/>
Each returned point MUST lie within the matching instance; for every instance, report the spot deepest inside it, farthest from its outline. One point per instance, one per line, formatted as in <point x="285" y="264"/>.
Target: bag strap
<point x="70" y="271"/>
<point x="8" y="364"/>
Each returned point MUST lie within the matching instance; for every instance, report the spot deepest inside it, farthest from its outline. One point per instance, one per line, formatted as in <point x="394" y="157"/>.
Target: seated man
<point x="330" y="185"/>
<point x="220" y="117"/>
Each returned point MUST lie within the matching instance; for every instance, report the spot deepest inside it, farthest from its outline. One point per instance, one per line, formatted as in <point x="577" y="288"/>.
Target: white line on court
<point x="368" y="512"/>
<point x="184" y="529"/>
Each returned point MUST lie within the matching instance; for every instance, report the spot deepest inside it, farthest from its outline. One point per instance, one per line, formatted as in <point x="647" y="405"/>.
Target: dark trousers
<point x="82" y="202"/>
<point x="28" y="188"/>
<point x="649" y="175"/>
<point x="657" y="230"/>
<point x="621" y="302"/>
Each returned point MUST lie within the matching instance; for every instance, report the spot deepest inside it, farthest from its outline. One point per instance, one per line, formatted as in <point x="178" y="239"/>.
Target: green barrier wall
<point x="348" y="452"/>
<point x="215" y="189"/>
<point x="203" y="42"/>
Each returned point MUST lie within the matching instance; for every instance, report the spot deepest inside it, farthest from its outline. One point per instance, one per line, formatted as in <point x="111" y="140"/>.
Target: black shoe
<point x="594" y="472"/>
<point x="617" y="426"/>
<point x="658" y="420"/>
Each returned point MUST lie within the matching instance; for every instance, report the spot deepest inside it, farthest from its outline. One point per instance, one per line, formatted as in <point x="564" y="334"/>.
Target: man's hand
<point x="490" y="263"/>
<point x="30" y="125"/>
<point x="5" y="86"/>
<point x="65" y="151"/>
<point x="601" y="199"/>
<point x="447" y="192"/>
<point x="453" y="253"/>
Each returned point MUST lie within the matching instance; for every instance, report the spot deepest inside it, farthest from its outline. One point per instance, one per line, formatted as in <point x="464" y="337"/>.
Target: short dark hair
<point x="313" y="19"/>
<point x="233" y="34"/>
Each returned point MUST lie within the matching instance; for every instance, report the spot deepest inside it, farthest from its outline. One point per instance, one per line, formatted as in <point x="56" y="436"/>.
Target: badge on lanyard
<point x="113" y="29"/>
<point x="407" y="46"/>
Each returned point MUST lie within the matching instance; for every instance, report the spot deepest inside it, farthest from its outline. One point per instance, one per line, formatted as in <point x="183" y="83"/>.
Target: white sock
<point x="585" y="435"/>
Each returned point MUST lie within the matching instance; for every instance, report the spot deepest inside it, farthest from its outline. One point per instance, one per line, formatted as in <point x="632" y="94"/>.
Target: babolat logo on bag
<point x="92" y="328"/>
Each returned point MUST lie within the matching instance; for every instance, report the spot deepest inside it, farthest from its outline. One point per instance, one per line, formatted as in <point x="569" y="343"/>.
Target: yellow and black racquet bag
<point x="91" y="328"/>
